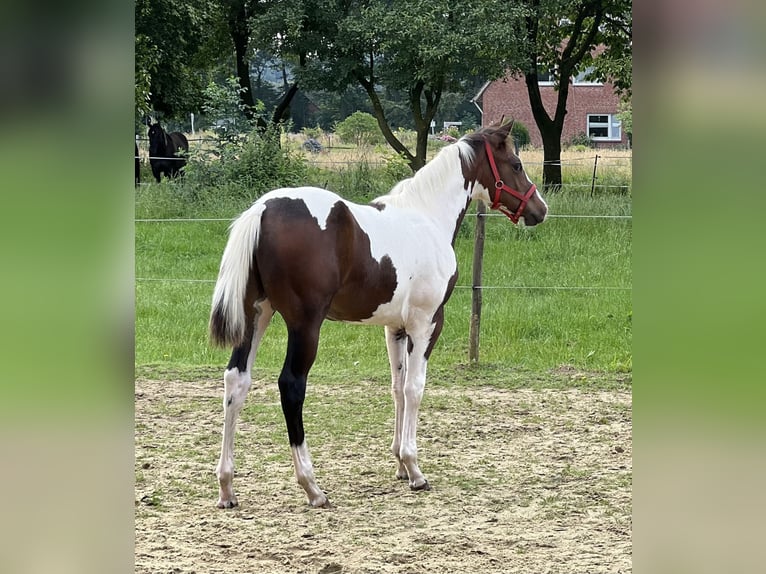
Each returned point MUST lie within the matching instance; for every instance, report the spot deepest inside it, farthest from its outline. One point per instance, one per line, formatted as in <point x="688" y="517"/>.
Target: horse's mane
<point x="432" y="178"/>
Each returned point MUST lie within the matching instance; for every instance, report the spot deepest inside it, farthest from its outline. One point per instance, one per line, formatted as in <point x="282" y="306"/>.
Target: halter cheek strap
<point x="501" y="186"/>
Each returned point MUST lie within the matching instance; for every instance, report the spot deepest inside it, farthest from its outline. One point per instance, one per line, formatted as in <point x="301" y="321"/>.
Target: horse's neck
<point x="437" y="191"/>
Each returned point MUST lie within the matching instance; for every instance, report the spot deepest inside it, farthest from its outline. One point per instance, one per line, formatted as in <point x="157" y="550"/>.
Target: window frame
<point x="613" y="124"/>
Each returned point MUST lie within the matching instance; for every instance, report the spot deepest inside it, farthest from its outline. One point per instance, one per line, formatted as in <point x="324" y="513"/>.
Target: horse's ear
<point x="505" y="130"/>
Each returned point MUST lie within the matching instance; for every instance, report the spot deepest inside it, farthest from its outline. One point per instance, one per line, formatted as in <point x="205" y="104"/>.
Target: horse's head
<point x="156" y="140"/>
<point x="499" y="173"/>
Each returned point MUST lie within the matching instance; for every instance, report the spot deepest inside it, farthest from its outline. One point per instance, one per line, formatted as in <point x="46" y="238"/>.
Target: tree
<point x="562" y="36"/>
<point x="292" y="32"/>
<point x="238" y="13"/>
<point x="359" y="128"/>
<point x="423" y="48"/>
<point x="172" y="49"/>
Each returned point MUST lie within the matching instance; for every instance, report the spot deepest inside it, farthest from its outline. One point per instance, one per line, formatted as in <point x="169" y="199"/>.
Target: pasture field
<point x="528" y="452"/>
<point x="554" y="295"/>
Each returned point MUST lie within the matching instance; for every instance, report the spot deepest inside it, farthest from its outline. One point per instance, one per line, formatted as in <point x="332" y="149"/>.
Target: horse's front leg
<point x="420" y="345"/>
<point x="396" y="344"/>
<point x="414" y="384"/>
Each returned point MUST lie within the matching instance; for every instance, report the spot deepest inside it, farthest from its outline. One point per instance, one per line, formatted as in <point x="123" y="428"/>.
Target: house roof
<point x="480" y="93"/>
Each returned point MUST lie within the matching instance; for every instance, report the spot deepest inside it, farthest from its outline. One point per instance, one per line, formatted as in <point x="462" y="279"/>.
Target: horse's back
<point x="179" y="140"/>
<point x="361" y="263"/>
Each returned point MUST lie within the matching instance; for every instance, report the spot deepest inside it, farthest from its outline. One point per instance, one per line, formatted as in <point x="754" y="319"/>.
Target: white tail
<point x="227" y="315"/>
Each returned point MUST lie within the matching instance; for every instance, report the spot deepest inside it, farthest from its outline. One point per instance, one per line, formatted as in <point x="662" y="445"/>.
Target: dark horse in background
<point x="164" y="149"/>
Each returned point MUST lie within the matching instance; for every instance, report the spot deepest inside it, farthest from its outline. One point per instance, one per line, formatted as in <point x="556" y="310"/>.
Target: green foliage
<point x="174" y="54"/>
<point x="626" y="117"/>
<point x="147" y="61"/>
<point x="247" y="166"/>
<point x="225" y="109"/>
<point x="580" y="140"/>
<point x="396" y="167"/>
<point x="359" y="128"/>
<point x="520" y="134"/>
<point x="313" y="133"/>
<point x="423" y="49"/>
<point x="453" y="131"/>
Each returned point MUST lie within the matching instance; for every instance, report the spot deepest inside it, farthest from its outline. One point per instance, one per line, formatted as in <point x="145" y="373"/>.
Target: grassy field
<point x="529" y="452"/>
<point x="556" y="296"/>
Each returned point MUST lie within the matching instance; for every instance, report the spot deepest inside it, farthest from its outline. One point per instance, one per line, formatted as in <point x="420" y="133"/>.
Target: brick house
<point x="592" y="109"/>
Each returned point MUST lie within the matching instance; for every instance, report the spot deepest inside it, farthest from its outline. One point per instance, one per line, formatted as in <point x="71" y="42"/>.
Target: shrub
<point x="520" y="135"/>
<point x="313" y="133"/>
<point x="359" y="128"/>
<point x="225" y="110"/>
<point x="255" y="162"/>
<point x="581" y="139"/>
<point x="453" y="132"/>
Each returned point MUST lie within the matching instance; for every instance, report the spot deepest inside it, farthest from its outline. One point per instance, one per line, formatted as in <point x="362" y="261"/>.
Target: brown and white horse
<point x="310" y="255"/>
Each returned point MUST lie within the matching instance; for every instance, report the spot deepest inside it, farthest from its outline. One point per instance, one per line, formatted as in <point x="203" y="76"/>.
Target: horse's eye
<point x="517" y="167"/>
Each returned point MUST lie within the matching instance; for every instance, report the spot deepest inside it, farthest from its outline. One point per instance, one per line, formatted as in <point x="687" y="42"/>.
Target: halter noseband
<point x="500" y="186"/>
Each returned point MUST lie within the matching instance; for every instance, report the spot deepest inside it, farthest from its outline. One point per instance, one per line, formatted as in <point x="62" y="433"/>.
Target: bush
<point x="225" y="110"/>
<point x="581" y="139"/>
<point x="359" y="128"/>
<point x="313" y="133"/>
<point x="396" y="168"/>
<point x="255" y="163"/>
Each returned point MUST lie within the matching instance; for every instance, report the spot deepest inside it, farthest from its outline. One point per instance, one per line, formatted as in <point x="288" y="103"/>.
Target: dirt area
<point x="533" y="481"/>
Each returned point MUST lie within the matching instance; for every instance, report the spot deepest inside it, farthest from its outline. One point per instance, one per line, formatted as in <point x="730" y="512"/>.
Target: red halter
<point x="500" y="185"/>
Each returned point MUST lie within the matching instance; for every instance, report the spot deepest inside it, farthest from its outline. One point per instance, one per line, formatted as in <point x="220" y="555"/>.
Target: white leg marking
<point x="236" y="386"/>
<point x="304" y="473"/>
<point x="414" y="385"/>
<point x="397" y="358"/>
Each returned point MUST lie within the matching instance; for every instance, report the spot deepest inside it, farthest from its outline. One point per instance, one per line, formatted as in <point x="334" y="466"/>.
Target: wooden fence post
<point x="593" y="181"/>
<point x="478" y="258"/>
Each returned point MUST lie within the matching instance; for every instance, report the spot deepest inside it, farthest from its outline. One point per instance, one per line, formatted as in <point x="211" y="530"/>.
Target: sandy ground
<point x="533" y="481"/>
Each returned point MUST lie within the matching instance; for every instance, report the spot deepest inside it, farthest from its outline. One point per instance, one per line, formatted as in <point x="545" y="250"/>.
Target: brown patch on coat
<point x="309" y="273"/>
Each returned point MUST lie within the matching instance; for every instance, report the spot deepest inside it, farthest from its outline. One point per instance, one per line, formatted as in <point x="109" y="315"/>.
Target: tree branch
<point x="380" y="115"/>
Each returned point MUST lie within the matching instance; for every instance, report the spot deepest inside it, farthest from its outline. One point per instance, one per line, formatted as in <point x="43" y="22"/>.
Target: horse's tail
<point x="228" y="315"/>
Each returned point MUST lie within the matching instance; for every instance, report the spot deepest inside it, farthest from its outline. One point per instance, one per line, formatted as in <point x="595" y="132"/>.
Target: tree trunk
<point x="281" y="112"/>
<point x="551" y="158"/>
<point x="550" y="130"/>
<point x="240" y="35"/>
<point x="421" y="148"/>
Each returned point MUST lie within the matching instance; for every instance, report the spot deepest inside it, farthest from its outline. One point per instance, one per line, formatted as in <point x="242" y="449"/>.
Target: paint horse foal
<point x="309" y="255"/>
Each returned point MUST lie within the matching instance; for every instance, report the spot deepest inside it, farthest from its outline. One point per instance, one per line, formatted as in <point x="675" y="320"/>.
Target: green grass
<point x="536" y="318"/>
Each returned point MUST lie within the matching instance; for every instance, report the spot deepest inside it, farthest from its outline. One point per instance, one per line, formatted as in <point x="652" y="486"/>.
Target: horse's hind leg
<point x="237" y="379"/>
<point x="396" y="344"/>
<point x="301" y="351"/>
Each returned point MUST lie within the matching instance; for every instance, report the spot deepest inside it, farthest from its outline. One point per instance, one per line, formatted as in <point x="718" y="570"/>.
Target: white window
<point x="604" y="127"/>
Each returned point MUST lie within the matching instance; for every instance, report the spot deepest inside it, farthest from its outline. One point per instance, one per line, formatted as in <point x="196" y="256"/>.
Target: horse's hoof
<point x="322" y="504"/>
<point x="227" y="503"/>
<point x="424" y="486"/>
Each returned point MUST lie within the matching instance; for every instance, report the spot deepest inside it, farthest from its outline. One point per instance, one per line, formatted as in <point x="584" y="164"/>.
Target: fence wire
<point x="472" y="287"/>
